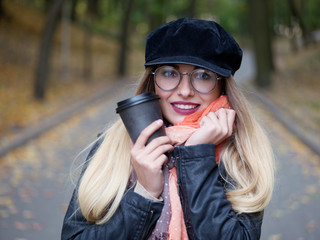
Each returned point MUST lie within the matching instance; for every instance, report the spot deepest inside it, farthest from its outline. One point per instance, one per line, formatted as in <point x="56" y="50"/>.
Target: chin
<point x="179" y="119"/>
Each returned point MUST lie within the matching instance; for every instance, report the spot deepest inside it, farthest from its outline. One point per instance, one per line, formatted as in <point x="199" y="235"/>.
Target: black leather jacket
<point x="207" y="212"/>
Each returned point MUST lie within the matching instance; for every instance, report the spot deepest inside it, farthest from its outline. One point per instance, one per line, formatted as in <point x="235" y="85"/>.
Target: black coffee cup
<point x="138" y="112"/>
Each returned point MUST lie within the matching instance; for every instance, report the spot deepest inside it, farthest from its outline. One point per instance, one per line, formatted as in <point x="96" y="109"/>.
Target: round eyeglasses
<point x="168" y="78"/>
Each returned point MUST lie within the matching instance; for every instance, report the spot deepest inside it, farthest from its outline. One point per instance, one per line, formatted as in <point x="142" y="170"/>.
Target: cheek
<point x="207" y="99"/>
<point x="164" y="106"/>
<point x="162" y="94"/>
<point x="164" y="99"/>
<point x="215" y="93"/>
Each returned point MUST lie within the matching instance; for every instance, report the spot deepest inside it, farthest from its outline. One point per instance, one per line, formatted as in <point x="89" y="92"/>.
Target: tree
<point x="124" y="36"/>
<point x="261" y="33"/>
<point x="296" y="18"/>
<point x="93" y="7"/>
<point x="65" y="40"/>
<point x="92" y="12"/>
<point x="74" y="4"/>
<point x="42" y="67"/>
<point x="1" y="9"/>
<point x="191" y="9"/>
<point x="48" y="5"/>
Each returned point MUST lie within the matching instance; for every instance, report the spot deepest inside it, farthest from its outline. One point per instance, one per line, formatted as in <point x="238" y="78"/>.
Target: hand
<point x="148" y="160"/>
<point x="214" y="128"/>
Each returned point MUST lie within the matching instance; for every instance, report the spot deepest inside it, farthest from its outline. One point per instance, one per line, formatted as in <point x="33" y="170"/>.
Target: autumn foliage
<point x="20" y="39"/>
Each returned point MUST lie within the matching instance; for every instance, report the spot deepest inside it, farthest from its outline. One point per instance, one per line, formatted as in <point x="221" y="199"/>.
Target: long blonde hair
<point x="247" y="157"/>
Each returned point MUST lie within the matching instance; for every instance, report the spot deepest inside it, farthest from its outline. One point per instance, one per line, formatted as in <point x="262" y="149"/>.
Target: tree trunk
<point x="295" y="11"/>
<point x="65" y="41"/>
<point x="93" y="8"/>
<point x="91" y="12"/>
<point x="157" y="17"/>
<point x="74" y="4"/>
<point x="47" y="5"/>
<point x="191" y="9"/>
<point x="2" y="12"/>
<point x="42" y="68"/>
<point x="259" y="19"/>
<point x="87" y="51"/>
<point x="124" y="36"/>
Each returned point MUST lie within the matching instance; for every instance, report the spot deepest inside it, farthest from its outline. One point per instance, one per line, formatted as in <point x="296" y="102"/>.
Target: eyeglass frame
<point x="218" y="78"/>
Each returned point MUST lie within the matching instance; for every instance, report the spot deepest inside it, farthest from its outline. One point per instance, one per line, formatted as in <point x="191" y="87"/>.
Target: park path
<point x="35" y="179"/>
<point x="35" y="185"/>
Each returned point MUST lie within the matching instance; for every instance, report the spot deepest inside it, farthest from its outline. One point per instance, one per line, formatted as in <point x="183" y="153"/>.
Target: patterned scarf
<point x="171" y="223"/>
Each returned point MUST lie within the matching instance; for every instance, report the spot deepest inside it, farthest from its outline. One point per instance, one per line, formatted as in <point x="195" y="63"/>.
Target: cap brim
<point x="192" y="61"/>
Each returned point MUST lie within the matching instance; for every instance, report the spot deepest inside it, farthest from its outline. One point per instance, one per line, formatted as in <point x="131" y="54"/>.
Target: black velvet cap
<point x="193" y="41"/>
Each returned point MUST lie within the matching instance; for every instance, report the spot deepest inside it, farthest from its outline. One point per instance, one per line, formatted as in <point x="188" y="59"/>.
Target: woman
<point x="212" y="182"/>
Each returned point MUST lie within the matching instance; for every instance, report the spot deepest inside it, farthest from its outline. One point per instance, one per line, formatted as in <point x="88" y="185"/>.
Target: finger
<point x="159" y="141"/>
<point x="211" y="118"/>
<point x="156" y="144"/>
<point x="222" y="116"/>
<point x="162" y="160"/>
<point x="162" y="149"/>
<point x="147" y="132"/>
<point x="231" y="115"/>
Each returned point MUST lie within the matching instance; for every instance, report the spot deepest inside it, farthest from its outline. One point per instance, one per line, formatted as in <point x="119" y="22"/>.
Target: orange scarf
<point x="179" y="133"/>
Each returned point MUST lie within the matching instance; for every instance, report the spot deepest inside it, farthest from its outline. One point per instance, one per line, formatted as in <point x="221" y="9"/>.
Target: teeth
<point x="181" y="106"/>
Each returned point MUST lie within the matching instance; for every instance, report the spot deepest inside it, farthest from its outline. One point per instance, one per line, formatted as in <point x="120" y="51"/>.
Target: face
<point x="184" y="100"/>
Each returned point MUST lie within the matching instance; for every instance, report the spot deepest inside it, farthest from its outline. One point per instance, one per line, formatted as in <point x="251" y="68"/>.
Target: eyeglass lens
<point x="168" y="78"/>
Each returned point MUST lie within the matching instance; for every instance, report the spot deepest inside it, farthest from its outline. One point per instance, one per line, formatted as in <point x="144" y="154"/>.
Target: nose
<point x="185" y="88"/>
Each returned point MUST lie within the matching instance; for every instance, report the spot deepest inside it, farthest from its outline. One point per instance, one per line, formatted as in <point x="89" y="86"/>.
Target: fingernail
<point x="159" y="122"/>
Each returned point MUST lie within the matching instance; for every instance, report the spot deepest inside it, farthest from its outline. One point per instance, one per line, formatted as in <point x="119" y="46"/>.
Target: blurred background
<point x="55" y="53"/>
<point x="53" y="50"/>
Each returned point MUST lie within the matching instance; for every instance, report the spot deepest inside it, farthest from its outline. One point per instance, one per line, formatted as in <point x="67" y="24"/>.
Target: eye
<point x="203" y="75"/>
<point x="168" y="72"/>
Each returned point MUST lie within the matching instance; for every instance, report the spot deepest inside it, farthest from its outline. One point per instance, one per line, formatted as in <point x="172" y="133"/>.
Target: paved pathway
<point x="294" y="212"/>
<point x="35" y="186"/>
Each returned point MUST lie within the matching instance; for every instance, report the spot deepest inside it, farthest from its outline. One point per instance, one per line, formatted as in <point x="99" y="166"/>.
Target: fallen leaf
<point x="311" y="225"/>
<point x="275" y="237"/>
<point x="20" y="226"/>
<point x="37" y="226"/>
<point x="305" y="199"/>
<point x="294" y="205"/>
<point x="277" y="213"/>
<point x="311" y="189"/>
<point x="48" y="194"/>
<point x="27" y="214"/>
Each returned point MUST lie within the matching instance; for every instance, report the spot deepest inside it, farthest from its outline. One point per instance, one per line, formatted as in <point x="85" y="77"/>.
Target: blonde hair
<point x="250" y="165"/>
<point x="247" y="157"/>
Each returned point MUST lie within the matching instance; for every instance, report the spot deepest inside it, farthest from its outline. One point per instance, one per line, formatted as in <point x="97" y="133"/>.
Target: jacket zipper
<point x="147" y="224"/>
<point x="183" y="203"/>
<point x="182" y="196"/>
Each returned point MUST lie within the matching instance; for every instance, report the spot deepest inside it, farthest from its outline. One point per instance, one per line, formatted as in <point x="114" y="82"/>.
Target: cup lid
<point x="144" y="97"/>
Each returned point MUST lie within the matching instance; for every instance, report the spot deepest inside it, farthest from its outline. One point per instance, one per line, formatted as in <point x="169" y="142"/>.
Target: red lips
<point x="185" y="108"/>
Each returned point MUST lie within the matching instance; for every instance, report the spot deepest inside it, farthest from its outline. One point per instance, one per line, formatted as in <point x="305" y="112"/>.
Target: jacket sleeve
<point x="207" y="212"/>
<point x="134" y="218"/>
